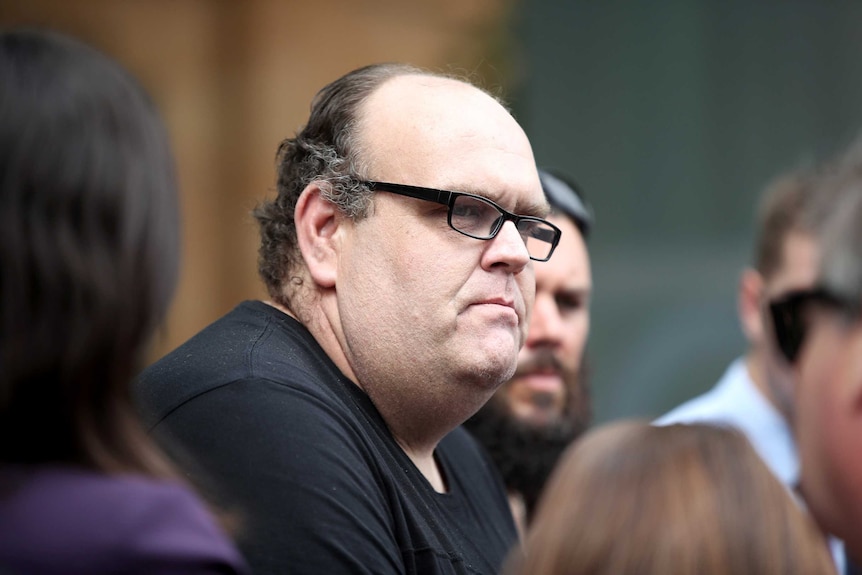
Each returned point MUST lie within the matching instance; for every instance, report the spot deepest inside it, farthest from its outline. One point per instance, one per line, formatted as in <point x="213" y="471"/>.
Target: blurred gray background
<point x="673" y="116"/>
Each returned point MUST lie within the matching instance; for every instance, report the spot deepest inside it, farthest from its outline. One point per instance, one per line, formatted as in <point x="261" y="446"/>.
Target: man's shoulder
<point x="718" y="405"/>
<point x="253" y="342"/>
<point x="214" y="347"/>
<point x="707" y="407"/>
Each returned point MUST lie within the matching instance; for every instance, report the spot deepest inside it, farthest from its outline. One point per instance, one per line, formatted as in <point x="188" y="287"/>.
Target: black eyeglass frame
<point x="448" y="198"/>
<point x="789" y="325"/>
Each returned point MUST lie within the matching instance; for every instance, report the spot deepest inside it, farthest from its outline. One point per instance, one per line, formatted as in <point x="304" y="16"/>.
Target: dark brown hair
<point x="631" y="498"/>
<point x="88" y="251"/>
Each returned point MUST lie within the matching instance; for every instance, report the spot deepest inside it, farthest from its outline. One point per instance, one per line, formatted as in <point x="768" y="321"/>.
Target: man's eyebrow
<point x="576" y="290"/>
<point x="540" y="209"/>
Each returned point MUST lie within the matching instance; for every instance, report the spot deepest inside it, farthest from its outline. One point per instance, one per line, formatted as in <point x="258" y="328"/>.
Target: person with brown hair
<point x="89" y="248"/>
<point x="630" y="498"/>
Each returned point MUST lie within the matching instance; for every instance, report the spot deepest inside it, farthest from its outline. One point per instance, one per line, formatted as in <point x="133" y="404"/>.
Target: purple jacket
<point x="61" y="520"/>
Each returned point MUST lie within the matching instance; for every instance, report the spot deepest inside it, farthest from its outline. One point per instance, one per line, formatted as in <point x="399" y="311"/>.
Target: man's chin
<point x="537" y="413"/>
<point x="535" y="417"/>
<point x="548" y="384"/>
<point x="535" y="400"/>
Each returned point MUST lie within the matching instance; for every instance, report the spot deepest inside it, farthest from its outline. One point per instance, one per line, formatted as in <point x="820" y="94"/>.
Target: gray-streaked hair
<point x="328" y="151"/>
<point x="841" y="262"/>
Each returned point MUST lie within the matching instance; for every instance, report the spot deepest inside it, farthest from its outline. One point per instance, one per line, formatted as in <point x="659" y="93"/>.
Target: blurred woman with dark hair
<point x="630" y="498"/>
<point x="89" y="257"/>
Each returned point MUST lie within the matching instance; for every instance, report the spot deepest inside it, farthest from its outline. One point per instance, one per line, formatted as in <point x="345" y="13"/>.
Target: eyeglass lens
<point x="789" y="328"/>
<point x="792" y="318"/>
<point x="482" y="220"/>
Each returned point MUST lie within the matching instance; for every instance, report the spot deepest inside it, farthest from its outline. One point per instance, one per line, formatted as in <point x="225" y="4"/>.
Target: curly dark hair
<point x="327" y="151"/>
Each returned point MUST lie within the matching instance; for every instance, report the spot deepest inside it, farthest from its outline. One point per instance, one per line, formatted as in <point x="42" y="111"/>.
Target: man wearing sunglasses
<point x="398" y="256"/>
<point x="819" y="331"/>
<point x="535" y="415"/>
<point x="756" y="393"/>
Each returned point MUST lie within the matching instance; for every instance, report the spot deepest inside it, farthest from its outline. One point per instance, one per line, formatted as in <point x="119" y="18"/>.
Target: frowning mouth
<point x="498" y="307"/>
<point x="497" y="301"/>
<point x="495" y="312"/>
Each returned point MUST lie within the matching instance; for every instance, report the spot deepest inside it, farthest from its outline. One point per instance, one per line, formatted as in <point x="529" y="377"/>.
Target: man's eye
<point x="466" y="211"/>
<point x="569" y="303"/>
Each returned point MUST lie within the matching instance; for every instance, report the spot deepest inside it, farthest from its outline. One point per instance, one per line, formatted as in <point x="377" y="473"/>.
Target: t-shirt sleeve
<point x="289" y="464"/>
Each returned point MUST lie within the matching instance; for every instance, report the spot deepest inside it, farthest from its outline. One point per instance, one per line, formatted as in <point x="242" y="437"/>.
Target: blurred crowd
<point x="413" y="396"/>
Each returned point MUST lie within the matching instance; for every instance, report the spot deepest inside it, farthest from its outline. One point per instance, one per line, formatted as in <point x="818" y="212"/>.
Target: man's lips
<point x="542" y="381"/>
<point x="497" y="301"/>
<point x="499" y="307"/>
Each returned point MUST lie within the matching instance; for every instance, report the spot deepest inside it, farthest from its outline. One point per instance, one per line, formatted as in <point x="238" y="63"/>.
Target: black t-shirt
<point x="301" y="457"/>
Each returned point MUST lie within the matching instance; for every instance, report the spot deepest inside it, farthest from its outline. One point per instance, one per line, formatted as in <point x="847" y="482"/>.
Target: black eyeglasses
<point x="480" y="218"/>
<point x="790" y="318"/>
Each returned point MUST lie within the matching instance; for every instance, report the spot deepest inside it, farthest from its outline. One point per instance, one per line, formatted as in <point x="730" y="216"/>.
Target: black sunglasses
<point x="482" y="219"/>
<point x="790" y="318"/>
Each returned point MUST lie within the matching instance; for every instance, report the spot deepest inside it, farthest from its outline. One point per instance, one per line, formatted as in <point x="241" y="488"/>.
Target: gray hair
<point x="841" y="264"/>
<point x="327" y="151"/>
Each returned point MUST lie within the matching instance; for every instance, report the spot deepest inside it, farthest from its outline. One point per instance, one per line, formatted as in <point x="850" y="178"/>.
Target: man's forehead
<point x="426" y="110"/>
<point x="447" y="134"/>
<point x="800" y="261"/>
<point x="403" y="98"/>
<point x="438" y="86"/>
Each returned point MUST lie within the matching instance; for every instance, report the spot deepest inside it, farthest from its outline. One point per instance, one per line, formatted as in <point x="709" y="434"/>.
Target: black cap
<point x="565" y="196"/>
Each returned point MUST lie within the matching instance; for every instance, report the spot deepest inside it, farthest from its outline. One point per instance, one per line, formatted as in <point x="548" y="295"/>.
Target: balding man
<point x="398" y="256"/>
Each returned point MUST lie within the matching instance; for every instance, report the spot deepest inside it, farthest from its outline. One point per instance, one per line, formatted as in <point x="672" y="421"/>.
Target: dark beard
<point x="525" y="454"/>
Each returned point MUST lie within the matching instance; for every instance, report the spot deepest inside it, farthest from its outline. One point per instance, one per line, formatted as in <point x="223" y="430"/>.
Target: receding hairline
<point x="423" y="79"/>
<point x="452" y="87"/>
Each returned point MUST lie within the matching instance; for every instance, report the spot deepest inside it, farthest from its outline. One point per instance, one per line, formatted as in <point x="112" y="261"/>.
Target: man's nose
<point x="507" y="248"/>
<point x="546" y="326"/>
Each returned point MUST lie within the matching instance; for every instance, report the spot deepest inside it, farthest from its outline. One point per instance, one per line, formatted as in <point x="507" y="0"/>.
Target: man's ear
<point x="317" y="224"/>
<point x="749" y="305"/>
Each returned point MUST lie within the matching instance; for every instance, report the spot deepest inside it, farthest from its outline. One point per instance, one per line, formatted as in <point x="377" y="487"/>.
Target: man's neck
<point x="427" y="465"/>
<point x="754" y="363"/>
<point x="757" y="374"/>
<point x="421" y="453"/>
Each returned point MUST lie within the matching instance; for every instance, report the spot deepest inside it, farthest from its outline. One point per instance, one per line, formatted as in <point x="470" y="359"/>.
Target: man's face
<point x="430" y="317"/>
<point x="800" y="261"/>
<point x="829" y="423"/>
<point x="548" y="384"/>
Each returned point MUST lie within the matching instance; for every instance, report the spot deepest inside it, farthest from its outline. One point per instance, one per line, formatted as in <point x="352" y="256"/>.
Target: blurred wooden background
<point x="232" y="79"/>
